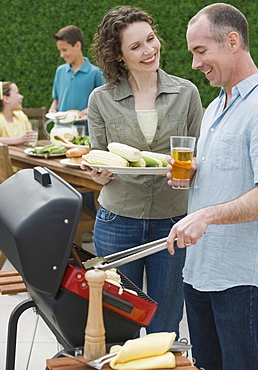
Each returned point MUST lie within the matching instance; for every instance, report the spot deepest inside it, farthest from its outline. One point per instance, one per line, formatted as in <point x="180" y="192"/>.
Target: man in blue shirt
<point x="221" y="270"/>
<point x="74" y="80"/>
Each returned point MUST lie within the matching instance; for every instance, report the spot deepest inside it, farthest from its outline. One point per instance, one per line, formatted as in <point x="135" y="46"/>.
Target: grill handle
<point x="42" y="176"/>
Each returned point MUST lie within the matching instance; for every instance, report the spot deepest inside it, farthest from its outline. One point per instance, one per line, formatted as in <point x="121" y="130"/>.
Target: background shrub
<point x="29" y="56"/>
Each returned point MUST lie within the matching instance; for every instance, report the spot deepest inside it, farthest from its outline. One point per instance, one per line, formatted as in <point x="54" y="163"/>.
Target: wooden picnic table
<point x="74" y="176"/>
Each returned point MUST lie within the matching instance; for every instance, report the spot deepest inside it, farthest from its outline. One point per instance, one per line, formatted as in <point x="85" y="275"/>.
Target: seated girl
<point x="15" y="127"/>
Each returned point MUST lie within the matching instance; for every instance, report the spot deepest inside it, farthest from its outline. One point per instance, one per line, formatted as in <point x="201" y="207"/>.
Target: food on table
<point x="67" y="144"/>
<point x="49" y="149"/>
<point x="71" y="142"/>
<point x="77" y="152"/>
<point x="81" y="140"/>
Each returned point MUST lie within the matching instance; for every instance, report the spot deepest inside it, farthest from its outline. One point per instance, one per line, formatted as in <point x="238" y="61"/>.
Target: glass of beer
<point x="182" y="149"/>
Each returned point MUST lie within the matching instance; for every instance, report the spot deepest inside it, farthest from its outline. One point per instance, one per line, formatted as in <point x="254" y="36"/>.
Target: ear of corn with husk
<point x="140" y="163"/>
<point x="151" y="162"/>
<point x="158" y="156"/>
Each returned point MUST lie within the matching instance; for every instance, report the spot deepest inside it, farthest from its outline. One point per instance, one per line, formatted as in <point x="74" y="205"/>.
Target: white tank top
<point x="148" y="120"/>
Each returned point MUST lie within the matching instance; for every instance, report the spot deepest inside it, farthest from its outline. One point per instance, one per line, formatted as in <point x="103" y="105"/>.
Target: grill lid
<point x="39" y="214"/>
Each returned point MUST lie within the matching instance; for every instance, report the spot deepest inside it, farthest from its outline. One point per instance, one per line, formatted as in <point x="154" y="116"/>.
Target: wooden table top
<point x="64" y="363"/>
<point x="74" y="176"/>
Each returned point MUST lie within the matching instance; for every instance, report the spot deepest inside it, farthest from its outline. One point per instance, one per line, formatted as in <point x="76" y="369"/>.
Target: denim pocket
<point x="104" y="215"/>
<point x="177" y="218"/>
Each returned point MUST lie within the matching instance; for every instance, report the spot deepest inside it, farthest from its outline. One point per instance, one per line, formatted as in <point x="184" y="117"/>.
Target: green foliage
<point x="29" y="56"/>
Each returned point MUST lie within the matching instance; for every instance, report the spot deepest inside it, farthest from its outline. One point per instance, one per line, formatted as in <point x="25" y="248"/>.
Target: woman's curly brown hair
<point x="106" y="47"/>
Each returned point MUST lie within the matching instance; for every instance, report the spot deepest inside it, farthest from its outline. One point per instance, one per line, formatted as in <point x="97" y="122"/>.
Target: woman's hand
<point x="102" y="178"/>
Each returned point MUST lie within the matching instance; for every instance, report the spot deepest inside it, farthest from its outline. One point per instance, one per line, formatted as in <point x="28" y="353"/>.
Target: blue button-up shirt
<point x="227" y="157"/>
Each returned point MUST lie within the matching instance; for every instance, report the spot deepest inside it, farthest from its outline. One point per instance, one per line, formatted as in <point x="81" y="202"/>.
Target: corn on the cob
<point x="152" y="162"/>
<point x="159" y="156"/>
<point x="140" y="163"/>
<point x="128" y="152"/>
<point x="102" y="157"/>
<point x="49" y="149"/>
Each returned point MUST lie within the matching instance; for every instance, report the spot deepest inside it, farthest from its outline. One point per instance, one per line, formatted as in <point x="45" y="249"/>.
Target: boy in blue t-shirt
<point x="74" y="80"/>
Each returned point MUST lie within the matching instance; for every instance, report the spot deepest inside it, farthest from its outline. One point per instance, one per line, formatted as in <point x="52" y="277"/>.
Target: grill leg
<point x="12" y="331"/>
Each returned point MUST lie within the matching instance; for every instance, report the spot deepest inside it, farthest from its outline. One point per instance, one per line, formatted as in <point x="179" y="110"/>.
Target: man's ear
<point x="234" y="41"/>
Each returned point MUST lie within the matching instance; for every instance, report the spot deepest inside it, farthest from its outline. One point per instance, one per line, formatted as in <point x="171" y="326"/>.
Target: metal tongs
<point x="128" y="255"/>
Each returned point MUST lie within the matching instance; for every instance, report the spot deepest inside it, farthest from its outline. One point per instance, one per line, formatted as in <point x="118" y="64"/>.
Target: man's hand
<point x="170" y="169"/>
<point x="187" y="231"/>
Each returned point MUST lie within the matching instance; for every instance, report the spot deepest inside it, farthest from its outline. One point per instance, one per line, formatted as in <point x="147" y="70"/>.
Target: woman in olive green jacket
<point x="141" y="106"/>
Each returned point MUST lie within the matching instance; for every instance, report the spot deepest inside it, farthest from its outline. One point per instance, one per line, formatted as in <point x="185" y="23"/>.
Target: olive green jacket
<point x="112" y="118"/>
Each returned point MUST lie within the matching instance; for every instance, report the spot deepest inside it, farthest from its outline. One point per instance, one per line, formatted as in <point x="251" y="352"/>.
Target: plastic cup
<point x="35" y="127"/>
<point x="182" y="149"/>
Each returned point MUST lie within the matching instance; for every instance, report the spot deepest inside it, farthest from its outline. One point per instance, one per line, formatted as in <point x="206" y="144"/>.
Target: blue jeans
<point x="88" y="199"/>
<point x="223" y="327"/>
<point x="113" y="233"/>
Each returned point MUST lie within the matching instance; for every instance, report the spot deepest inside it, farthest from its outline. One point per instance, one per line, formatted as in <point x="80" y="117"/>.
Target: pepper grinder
<point x="94" y="343"/>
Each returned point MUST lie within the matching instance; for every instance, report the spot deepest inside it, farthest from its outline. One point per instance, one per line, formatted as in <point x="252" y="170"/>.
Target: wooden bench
<point x="11" y="282"/>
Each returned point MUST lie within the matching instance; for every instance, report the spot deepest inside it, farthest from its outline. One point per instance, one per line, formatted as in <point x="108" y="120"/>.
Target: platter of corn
<point x="124" y="159"/>
<point x="47" y="151"/>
